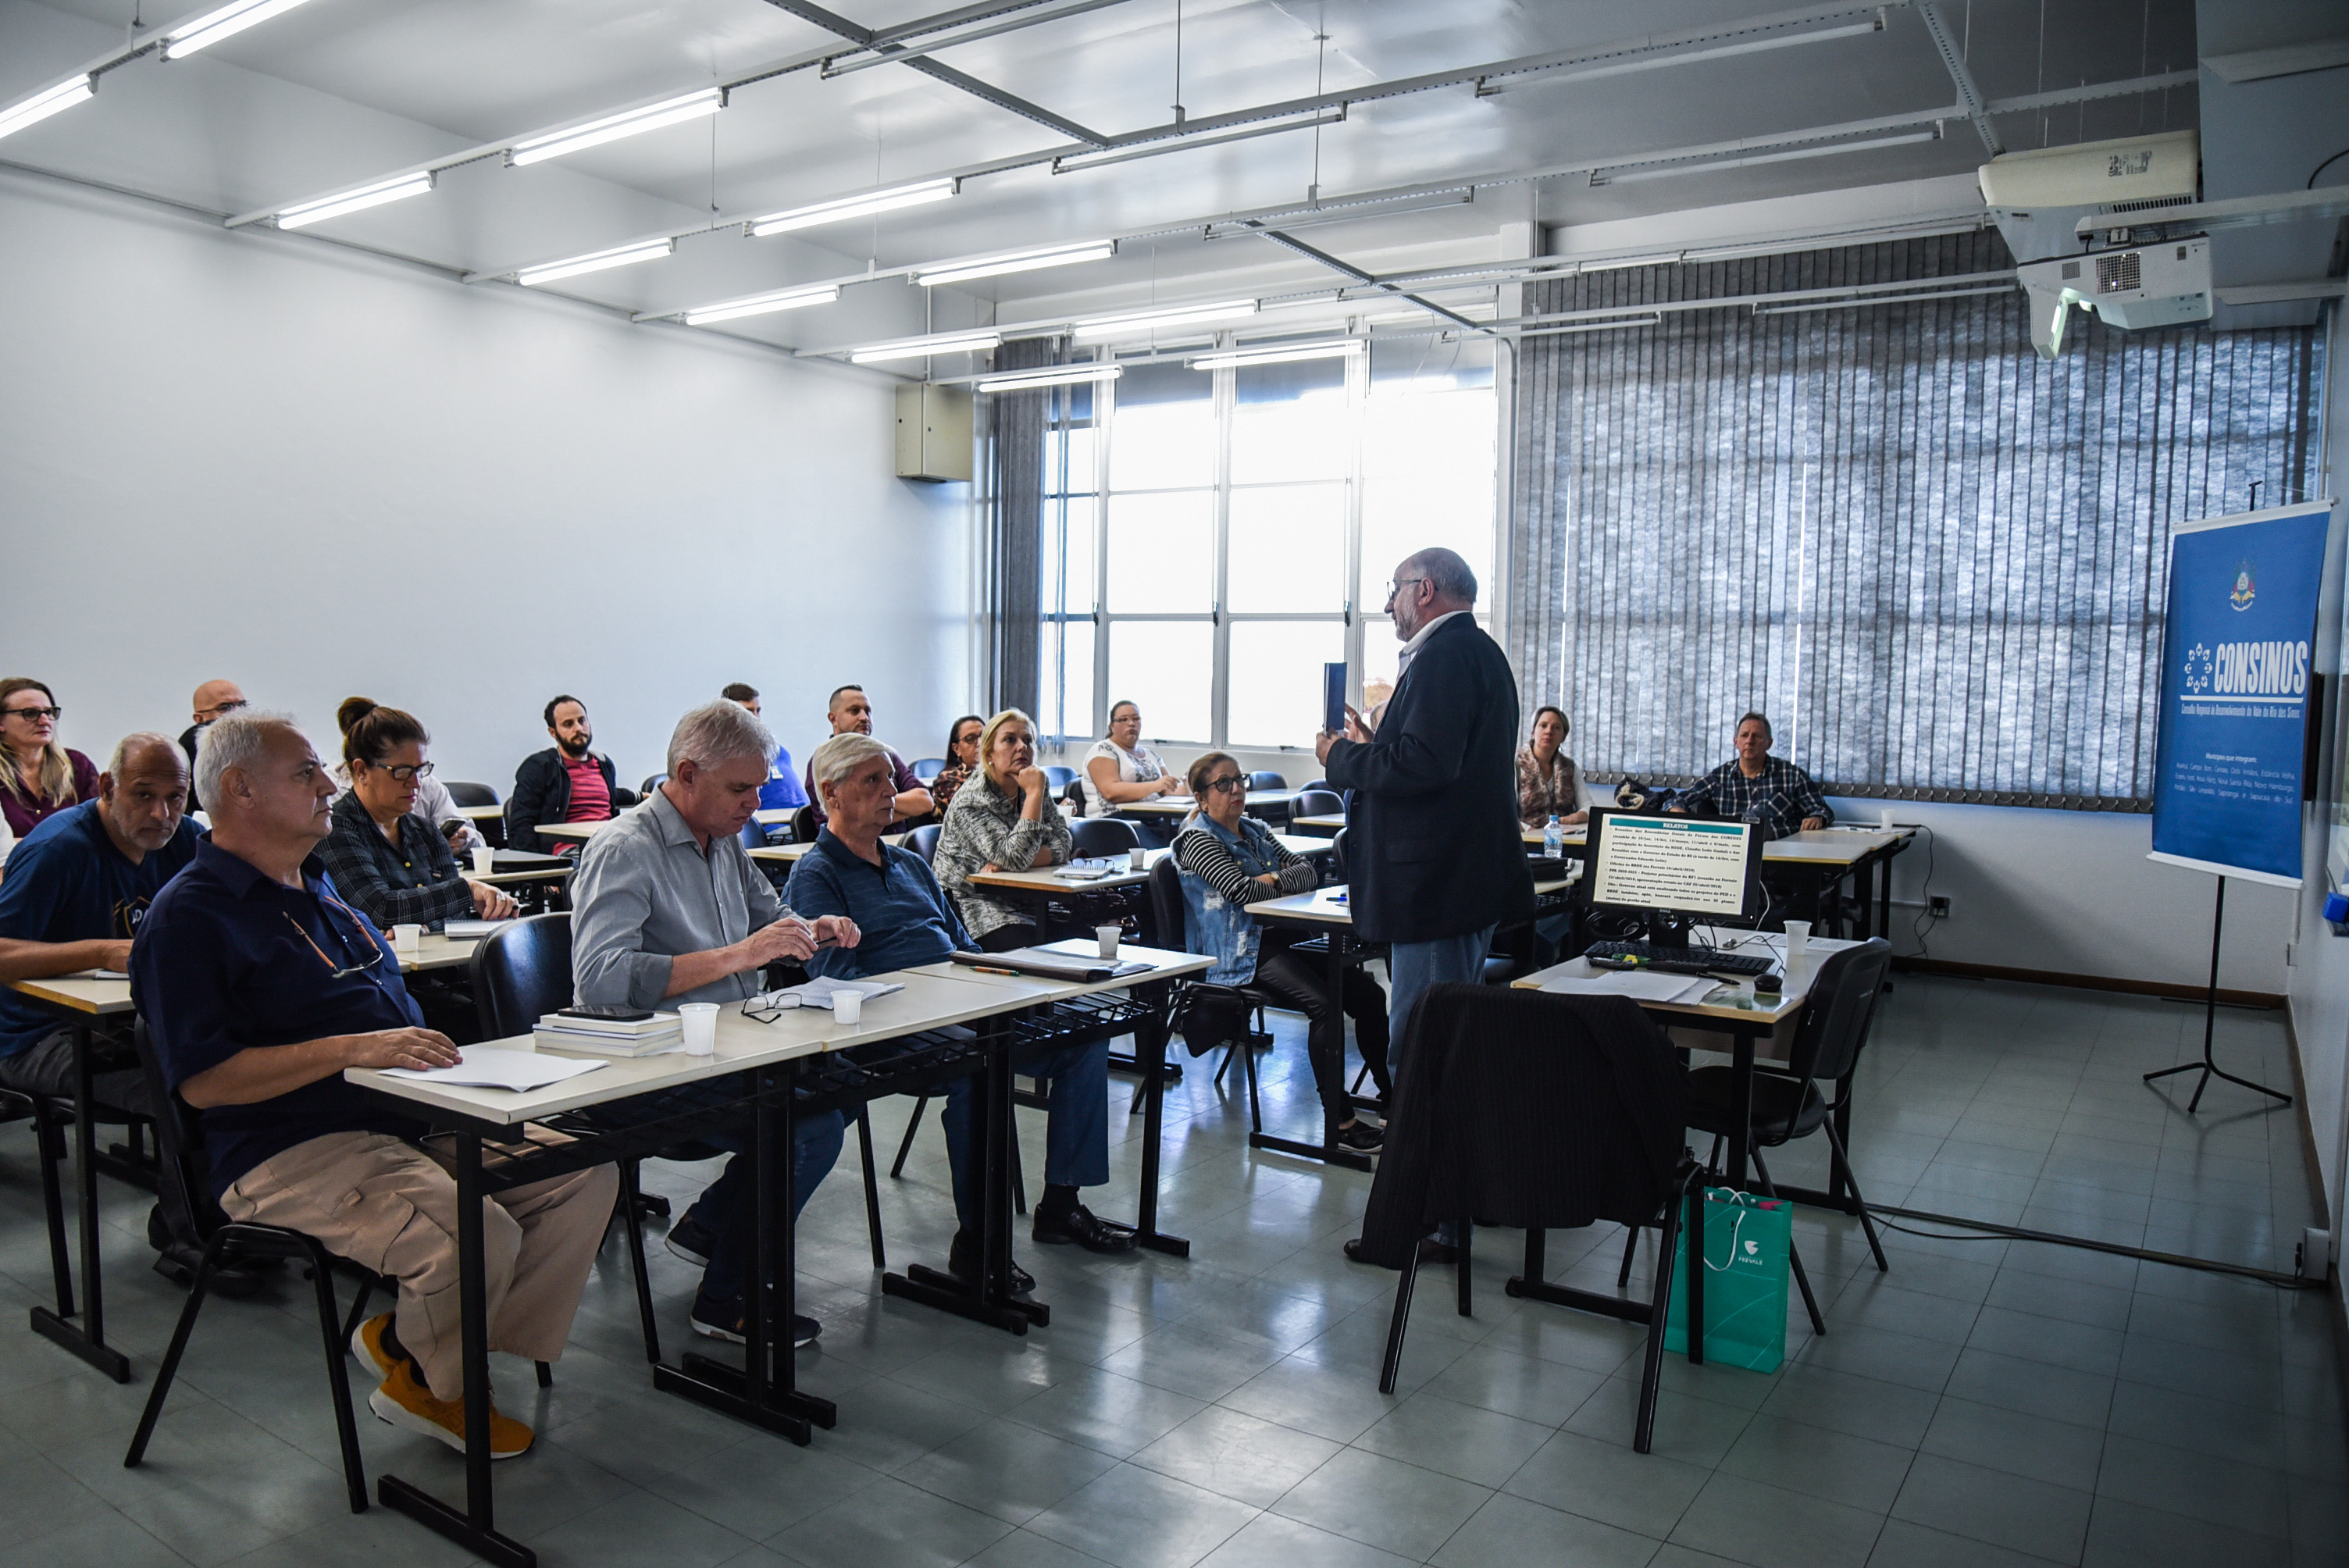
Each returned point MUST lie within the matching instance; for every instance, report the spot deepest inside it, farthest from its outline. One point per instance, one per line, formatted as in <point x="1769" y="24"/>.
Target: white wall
<point x="256" y="456"/>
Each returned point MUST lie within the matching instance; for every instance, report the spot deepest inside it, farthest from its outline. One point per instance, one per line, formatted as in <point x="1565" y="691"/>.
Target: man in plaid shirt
<point x="1758" y="787"/>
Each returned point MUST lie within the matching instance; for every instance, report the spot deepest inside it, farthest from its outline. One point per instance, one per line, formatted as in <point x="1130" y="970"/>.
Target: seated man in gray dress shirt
<point x="668" y="907"/>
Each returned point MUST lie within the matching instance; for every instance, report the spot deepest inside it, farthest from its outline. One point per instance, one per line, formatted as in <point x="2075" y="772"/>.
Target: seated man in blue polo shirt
<point x="259" y="986"/>
<point x="904" y="921"/>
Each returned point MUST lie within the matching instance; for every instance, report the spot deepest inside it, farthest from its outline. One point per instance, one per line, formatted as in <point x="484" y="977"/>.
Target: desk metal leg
<point x="475" y="1526"/>
<point x="86" y="1340"/>
<point x="1150" y="1047"/>
<point x="1328" y="1151"/>
<point x="987" y="1299"/>
<point x="763" y="1391"/>
<point x="1741" y="1106"/>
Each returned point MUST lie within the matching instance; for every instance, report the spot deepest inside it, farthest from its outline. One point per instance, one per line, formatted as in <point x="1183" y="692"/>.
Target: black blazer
<point x="1434" y="849"/>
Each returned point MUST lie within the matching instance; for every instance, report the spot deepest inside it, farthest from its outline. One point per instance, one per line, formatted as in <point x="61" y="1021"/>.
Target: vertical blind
<point x="1018" y="481"/>
<point x="1935" y="559"/>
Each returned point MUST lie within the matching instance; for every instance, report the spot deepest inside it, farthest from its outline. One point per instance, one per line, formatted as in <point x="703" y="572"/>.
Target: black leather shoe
<point x="1429" y="1252"/>
<point x="1086" y="1229"/>
<point x="962" y="1262"/>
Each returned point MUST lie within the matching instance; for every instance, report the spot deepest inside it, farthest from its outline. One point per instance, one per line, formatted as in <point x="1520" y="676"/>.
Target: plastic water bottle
<point x="1554" y="839"/>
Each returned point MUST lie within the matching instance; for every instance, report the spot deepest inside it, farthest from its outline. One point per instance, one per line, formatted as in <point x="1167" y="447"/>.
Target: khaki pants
<point x="387" y="1206"/>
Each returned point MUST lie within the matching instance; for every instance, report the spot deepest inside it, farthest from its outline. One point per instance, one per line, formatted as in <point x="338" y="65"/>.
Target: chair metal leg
<point x="1247" y="1072"/>
<point x="1651" y="1369"/>
<point x="631" y="1211"/>
<point x="1851" y="1177"/>
<point x="1630" y="1247"/>
<point x="357" y="1313"/>
<point x="872" y="1188"/>
<point x="1467" y="1229"/>
<point x="545" y="1374"/>
<point x="1794" y="1258"/>
<point x="905" y="1147"/>
<point x="338" y="1379"/>
<point x="1398" y="1322"/>
<point x="171" y="1367"/>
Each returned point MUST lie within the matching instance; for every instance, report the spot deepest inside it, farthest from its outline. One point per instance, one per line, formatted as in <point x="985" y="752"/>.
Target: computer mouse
<point x="1768" y="985"/>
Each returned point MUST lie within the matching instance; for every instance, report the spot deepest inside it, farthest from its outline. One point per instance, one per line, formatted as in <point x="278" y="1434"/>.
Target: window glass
<point x="1167" y="669"/>
<point x="1165" y="423"/>
<point x="1161" y="552"/>
<point x="1066" y="693"/>
<point x="1067" y="554"/>
<point x="1289" y="422"/>
<point x="1275" y="685"/>
<point x="1287" y="548"/>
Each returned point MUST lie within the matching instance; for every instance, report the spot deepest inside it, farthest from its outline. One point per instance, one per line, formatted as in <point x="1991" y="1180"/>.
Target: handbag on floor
<point x="1746" y="1242"/>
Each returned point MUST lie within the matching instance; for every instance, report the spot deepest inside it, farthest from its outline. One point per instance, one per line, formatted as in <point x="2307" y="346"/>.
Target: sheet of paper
<point x="1639" y="984"/>
<point x="470" y="929"/>
<point x="820" y="991"/>
<point x="96" y="975"/>
<point x="485" y="1067"/>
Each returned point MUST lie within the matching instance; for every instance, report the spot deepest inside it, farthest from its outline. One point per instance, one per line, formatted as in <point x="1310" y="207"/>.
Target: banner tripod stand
<point x="2206" y="1067"/>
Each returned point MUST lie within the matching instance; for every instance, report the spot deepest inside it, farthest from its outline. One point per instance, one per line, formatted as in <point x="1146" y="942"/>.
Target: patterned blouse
<point x="951" y="778"/>
<point x="417" y="882"/>
<point x="1562" y="794"/>
<point x="984" y="827"/>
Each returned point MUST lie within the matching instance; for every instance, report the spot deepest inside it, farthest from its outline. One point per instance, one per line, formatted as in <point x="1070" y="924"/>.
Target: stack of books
<point x="609" y="1037"/>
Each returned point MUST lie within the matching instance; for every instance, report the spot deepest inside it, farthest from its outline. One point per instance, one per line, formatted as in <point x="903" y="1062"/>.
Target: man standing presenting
<point x="851" y="713"/>
<point x="1435" y="858"/>
<point x="564" y="783"/>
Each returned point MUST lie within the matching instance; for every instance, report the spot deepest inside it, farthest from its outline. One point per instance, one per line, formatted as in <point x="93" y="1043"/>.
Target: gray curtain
<point x="1018" y="442"/>
<point x="1935" y="559"/>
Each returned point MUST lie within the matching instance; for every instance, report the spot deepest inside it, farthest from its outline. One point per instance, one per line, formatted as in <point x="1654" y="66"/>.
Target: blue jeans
<point x="1414" y="967"/>
<point x="1076" y="1136"/>
<point x="728" y="1204"/>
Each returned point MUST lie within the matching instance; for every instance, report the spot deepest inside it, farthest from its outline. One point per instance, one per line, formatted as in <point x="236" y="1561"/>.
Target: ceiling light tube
<point x="872" y="202"/>
<point x="1865" y="300"/>
<point x="47" y="102"/>
<point x="1653" y="318"/>
<point x="397" y="188"/>
<point x="1135" y="323"/>
<point x="594" y="262"/>
<point x="1016" y="261"/>
<point x="761" y="304"/>
<point x="1050" y="376"/>
<point x="1076" y="161"/>
<point x="920" y="347"/>
<point x="1239" y="358"/>
<point x="1630" y="173"/>
<point x="613" y="127"/>
<point x="214" y="25"/>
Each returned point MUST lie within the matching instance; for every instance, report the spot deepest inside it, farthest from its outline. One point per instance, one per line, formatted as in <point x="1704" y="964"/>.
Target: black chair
<point x="1059" y="778"/>
<point x="929" y="767"/>
<point x="1166" y="908"/>
<point x="923" y="842"/>
<point x="1321" y="784"/>
<point x="1095" y="837"/>
<point x="1314" y="802"/>
<point x="652" y="782"/>
<point x="1337" y="855"/>
<point x="1543" y="1113"/>
<point x="465" y="794"/>
<point x="804" y="826"/>
<point x="180" y="1139"/>
<point x="1266" y="781"/>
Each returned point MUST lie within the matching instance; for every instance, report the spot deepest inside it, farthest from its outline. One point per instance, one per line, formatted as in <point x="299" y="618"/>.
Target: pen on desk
<point x="983" y="969"/>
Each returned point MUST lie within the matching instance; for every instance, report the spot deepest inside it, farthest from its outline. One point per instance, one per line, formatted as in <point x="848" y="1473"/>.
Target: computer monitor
<point x="1676" y="868"/>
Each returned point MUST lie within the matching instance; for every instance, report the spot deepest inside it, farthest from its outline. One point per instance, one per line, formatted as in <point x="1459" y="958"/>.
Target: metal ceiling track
<point x="915" y="60"/>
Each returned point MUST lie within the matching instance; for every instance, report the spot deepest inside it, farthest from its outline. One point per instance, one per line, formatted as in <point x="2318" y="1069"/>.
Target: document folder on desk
<point x="1047" y="965"/>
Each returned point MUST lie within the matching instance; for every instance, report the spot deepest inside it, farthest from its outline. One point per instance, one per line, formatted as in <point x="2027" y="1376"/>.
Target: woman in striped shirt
<point x="1230" y="860"/>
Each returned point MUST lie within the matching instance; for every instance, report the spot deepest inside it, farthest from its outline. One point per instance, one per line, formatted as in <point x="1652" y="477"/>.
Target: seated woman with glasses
<point x="1230" y="860"/>
<point x="1120" y="769"/>
<point x="386" y="860"/>
<point x="39" y="777"/>
<point x="962" y="760"/>
<point x="1003" y="818"/>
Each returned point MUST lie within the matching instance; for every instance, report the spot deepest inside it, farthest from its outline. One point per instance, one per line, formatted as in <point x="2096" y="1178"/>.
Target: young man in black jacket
<point x="564" y="783"/>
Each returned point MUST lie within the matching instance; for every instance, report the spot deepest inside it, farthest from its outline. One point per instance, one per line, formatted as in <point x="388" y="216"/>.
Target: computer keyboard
<point x="1682" y="960"/>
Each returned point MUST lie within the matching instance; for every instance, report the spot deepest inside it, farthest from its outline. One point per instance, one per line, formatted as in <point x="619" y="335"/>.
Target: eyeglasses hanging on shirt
<point x="367" y="937"/>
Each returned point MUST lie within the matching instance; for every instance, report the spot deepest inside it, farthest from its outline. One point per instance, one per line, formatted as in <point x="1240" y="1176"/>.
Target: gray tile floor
<point x="1984" y="1402"/>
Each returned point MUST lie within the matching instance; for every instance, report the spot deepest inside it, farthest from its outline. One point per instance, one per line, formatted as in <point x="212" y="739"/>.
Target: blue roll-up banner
<point x="2235" y="690"/>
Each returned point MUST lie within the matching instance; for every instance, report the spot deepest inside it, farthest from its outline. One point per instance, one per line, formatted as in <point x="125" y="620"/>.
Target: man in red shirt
<point x="567" y="782"/>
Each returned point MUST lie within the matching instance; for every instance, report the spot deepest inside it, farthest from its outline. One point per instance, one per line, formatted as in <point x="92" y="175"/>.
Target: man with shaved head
<point x="213" y="699"/>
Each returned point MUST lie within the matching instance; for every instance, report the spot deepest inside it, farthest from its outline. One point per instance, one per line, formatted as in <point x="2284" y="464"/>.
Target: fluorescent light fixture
<point x="761" y="304"/>
<point x="1135" y="323"/>
<point x="920" y="347"/>
<point x="1016" y="261"/>
<point x="214" y="25"/>
<point x="1076" y="161"/>
<point x="1659" y="171"/>
<point x="872" y="202"/>
<point x="47" y="102"/>
<point x="1864" y="300"/>
<point x="1238" y="358"/>
<point x="396" y="188"/>
<point x="1653" y="318"/>
<point x="1050" y="376"/>
<point x="594" y="262"/>
<point x="613" y="127"/>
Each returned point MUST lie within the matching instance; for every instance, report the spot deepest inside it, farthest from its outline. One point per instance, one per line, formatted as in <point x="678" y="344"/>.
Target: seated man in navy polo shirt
<point x="259" y="986"/>
<point x="903" y="921"/>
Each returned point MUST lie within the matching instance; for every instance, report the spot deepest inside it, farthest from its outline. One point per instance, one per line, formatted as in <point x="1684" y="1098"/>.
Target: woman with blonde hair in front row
<point x="1230" y="860"/>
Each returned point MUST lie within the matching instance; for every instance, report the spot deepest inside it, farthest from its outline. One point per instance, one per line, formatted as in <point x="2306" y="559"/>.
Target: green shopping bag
<point x="1747" y="1240"/>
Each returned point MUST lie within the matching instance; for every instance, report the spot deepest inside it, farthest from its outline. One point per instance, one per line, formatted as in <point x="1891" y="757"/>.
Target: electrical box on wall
<point x="933" y="432"/>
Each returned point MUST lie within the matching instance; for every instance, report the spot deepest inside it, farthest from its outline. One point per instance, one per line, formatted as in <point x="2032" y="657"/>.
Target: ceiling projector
<point x="2161" y="284"/>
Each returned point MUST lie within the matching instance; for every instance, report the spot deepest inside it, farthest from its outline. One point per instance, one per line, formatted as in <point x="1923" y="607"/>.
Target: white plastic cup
<point x="848" y="1006"/>
<point x="700" y="1020"/>
<point x="485" y="860"/>
<point x="1134" y="858"/>
<point x="1107" y="936"/>
<point x="1798" y="941"/>
<point x="1884" y="819"/>
<point x="405" y="939"/>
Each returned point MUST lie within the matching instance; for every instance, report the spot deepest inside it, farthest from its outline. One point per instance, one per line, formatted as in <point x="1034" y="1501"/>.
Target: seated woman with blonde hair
<point x="1003" y="818"/>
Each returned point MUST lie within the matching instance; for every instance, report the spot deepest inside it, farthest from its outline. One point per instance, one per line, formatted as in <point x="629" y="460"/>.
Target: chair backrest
<point x="520" y="972"/>
<point x="804" y="827"/>
<point x="1311" y="802"/>
<point x="1337" y="855"/>
<point x="1091" y="836"/>
<point x="178" y="1138"/>
<point x="1317" y="784"/>
<point x="1266" y="781"/>
<point x="470" y="794"/>
<point x="652" y="782"/>
<point x="1059" y="778"/>
<point x="1166" y="904"/>
<point x="1841" y="1006"/>
<point x="923" y="842"/>
<point x="929" y="767"/>
<point x="753" y="834"/>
